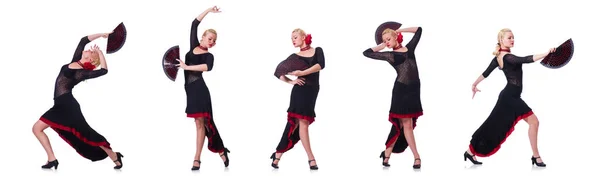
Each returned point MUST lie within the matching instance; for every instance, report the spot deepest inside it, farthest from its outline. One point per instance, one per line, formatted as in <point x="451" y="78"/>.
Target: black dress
<point x="65" y="116"/>
<point x="199" y="103"/>
<point x="302" y="102"/>
<point x="509" y="108"/>
<point x="406" y="95"/>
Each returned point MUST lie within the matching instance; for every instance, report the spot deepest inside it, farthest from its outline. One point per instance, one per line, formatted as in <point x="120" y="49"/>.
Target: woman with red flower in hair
<point x="65" y="116"/>
<point x="406" y="95"/>
<point x="301" y="111"/>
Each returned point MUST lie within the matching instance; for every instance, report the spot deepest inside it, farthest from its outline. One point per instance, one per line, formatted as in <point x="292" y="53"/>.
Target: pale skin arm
<point x="315" y="68"/>
<point x="203" y="14"/>
<point x="378" y="47"/>
<point x="542" y="55"/>
<point x="409" y="29"/>
<point x="93" y="37"/>
<point x="201" y="67"/>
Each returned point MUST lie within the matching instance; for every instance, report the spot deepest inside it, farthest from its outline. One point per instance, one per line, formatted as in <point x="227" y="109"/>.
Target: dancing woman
<point x="199" y="105"/>
<point x="509" y="108"/>
<point x="301" y="111"/>
<point x="65" y="116"/>
<point x="406" y="95"/>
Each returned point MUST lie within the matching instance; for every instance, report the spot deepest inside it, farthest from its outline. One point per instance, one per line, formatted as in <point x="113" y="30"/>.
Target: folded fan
<point x="560" y="57"/>
<point x="169" y="62"/>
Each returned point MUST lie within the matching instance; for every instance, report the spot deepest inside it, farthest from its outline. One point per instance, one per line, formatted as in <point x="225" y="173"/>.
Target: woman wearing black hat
<point x="406" y="95"/>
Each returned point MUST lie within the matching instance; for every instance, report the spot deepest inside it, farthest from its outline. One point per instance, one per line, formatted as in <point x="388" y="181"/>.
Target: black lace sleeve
<point x="493" y="65"/>
<point x="79" y="50"/>
<point x="384" y="56"/>
<point x="412" y="45"/>
<point x="82" y="74"/>
<point x="513" y="59"/>
<point x="194" y="35"/>
<point x="320" y="57"/>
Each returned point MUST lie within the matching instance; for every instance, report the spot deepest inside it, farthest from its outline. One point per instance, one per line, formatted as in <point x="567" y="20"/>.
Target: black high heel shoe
<point x="51" y="164"/>
<point x="274" y="157"/>
<point x="119" y="156"/>
<point x="470" y="157"/>
<point x="417" y="166"/>
<point x="315" y="167"/>
<point x="534" y="161"/>
<point x="384" y="163"/>
<point x="196" y="167"/>
<point x="226" y="162"/>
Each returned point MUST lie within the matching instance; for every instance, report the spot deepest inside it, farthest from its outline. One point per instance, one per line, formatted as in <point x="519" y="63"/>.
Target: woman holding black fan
<point x="66" y="118"/>
<point x="199" y="105"/>
<point x="306" y="66"/>
<point x="509" y="108"/>
<point x="406" y="96"/>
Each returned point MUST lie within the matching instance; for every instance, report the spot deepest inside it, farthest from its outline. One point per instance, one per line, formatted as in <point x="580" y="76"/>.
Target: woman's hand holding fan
<point x="297" y="73"/>
<point x="181" y="64"/>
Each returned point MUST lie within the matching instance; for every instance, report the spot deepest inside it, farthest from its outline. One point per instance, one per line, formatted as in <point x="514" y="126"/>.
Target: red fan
<point x="292" y="63"/>
<point x="561" y="56"/>
<point x="391" y="25"/>
<point x="116" y="39"/>
<point x="169" y="62"/>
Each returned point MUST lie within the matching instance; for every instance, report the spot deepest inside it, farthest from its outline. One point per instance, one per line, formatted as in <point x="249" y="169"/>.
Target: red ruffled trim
<point x="210" y="127"/>
<point x="291" y="117"/>
<point x="502" y="142"/>
<point x="393" y="116"/>
<point x="56" y="127"/>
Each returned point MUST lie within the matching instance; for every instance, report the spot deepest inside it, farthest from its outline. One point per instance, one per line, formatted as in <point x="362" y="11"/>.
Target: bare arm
<point x="409" y="29"/>
<point x="93" y="37"/>
<point x="537" y="57"/>
<point x="378" y="47"/>
<point x="479" y="79"/>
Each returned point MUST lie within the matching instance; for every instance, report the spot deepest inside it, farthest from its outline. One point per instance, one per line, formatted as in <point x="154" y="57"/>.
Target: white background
<point x="141" y="112"/>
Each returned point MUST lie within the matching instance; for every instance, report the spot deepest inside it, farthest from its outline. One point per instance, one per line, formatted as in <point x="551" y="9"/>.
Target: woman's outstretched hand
<point x="105" y="35"/>
<point x="181" y="64"/>
<point x="475" y="90"/>
<point x="214" y="9"/>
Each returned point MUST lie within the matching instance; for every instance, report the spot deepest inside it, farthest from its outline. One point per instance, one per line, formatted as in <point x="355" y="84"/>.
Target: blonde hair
<point x="210" y="31"/>
<point x="501" y="35"/>
<point x="390" y="31"/>
<point x="300" y="31"/>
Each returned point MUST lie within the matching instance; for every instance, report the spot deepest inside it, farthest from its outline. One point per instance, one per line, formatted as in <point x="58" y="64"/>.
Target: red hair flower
<point x="308" y="39"/>
<point x="400" y="38"/>
<point x="88" y="66"/>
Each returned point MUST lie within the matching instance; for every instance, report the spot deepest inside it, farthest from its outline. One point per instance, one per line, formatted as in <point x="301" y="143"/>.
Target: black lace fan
<point x="292" y="63"/>
<point x="391" y="24"/>
<point x="116" y="39"/>
<point x="560" y="57"/>
<point x="169" y="62"/>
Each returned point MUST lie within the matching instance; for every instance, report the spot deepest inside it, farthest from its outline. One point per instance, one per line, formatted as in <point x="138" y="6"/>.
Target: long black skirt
<point x="302" y="106"/>
<point x="199" y="105"/>
<point x="508" y="111"/>
<point x="406" y="103"/>
<point x="66" y="119"/>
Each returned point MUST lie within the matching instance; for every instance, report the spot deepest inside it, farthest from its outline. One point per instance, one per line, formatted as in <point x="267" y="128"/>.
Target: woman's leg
<point x="534" y="124"/>
<point x="38" y="131"/>
<point x="111" y="154"/>
<point x="305" y="138"/>
<point x="200" y="135"/>
<point x="407" y="124"/>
